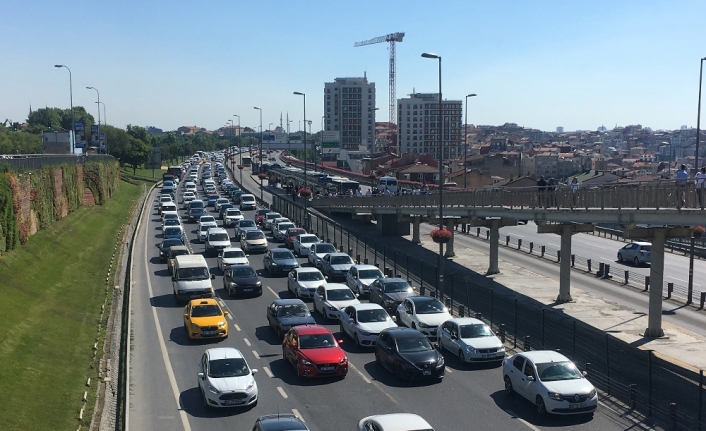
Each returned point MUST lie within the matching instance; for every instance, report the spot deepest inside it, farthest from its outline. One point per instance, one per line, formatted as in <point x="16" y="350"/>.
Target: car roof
<point x="306" y="235"/>
<point x="281" y="422"/>
<point x="203" y="301"/>
<point x="223" y="353"/>
<point x="332" y="286"/>
<point x="543" y="356"/>
<point x="400" y="421"/>
<point x="366" y="306"/>
<point x="288" y="302"/>
<point x="419" y="299"/>
<point x="179" y="247"/>
<point x="338" y="254"/>
<point x="361" y="267"/>
<point x="311" y="329"/>
<point x="641" y="243"/>
<point x="401" y="332"/>
<point x="306" y="269"/>
<point x="232" y="249"/>
<point x="217" y="230"/>
<point x="460" y="321"/>
<point x="391" y="279"/>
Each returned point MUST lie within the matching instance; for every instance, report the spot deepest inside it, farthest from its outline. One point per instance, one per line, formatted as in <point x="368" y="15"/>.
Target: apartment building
<point x="419" y="131"/>
<point x="349" y="108"/>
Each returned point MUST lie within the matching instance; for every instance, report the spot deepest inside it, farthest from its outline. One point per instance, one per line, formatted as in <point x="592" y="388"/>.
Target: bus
<point x="247" y="161"/>
<point x="343" y="185"/>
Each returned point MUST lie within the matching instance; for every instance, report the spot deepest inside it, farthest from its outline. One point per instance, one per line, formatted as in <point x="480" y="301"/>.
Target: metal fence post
<point x="627" y="277"/>
<point x="507" y="240"/>
<point x="543" y="249"/>
<point x="673" y="415"/>
<point x="701" y="397"/>
<point x="558" y="255"/>
<point x="588" y="263"/>
<point x="670" y="289"/>
<point x="501" y="332"/>
<point x="531" y="247"/>
<point x="519" y="243"/>
<point x="633" y="396"/>
<point x="527" y="347"/>
<point x="573" y="260"/>
<point x="573" y="340"/>
<point x="647" y="283"/>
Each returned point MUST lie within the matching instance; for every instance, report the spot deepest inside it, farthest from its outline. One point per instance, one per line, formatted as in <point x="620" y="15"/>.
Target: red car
<point x="314" y="352"/>
<point x="291" y="235"/>
<point x="260" y="215"/>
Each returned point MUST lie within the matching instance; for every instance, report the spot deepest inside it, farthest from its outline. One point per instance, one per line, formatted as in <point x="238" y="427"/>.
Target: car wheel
<point x="541" y="408"/>
<point x="356" y="340"/>
<point x="508" y="386"/>
<point x="636" y="262"/>
<point x="620" y="258"/>
<point x="461" y="356"/>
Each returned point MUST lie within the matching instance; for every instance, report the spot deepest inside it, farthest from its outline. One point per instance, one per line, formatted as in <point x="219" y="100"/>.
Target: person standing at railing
<point x="682" y="179"/>
<point x="542" y="189"/>
<point x="700" y="185"/>
<point x="574" y="185"/>
<point x="551" y="192"/>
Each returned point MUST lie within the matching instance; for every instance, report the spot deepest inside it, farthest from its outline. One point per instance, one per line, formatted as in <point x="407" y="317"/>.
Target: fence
<point x="640" y="379"/>
<point x="32" y="162"/>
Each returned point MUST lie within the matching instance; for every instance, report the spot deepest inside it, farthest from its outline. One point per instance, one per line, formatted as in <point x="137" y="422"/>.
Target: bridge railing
<point x="637" y="195"/>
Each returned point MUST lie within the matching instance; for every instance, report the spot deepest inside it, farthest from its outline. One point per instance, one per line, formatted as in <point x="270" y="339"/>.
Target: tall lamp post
<point x="269" y="129"/>
<point x="465" y="144"/>
<point x="260" y="166"/>
<point x="239" y="145"/>
<point x="289" y="143"/>
<point x="306" y="198"/>
<point x="99" y="117"/>
<point x="698" y="118"/>
<point x="71" y="100"/>
<point x="105" y="122"/>
<point x="439" y="124"/>
<point x="322" y="143"/>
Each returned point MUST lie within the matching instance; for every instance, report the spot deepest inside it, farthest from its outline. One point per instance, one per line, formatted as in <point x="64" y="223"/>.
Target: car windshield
<point x="196" y="210"/>
<point x="310" y="276"/>
<point x="376" y="315"/>
<point x="396" y="287"/>
<point x="204" y="228"/>
<point x="325" y="248"/>
<point x="233" y="367"/>
<point x="171" y="243"/>
<point x="286" y="254"/>
<point x="475" y="331"/>
<point x="316" y="341"/>
<point x="285" y="226"/>
<point x="553" y="371"/>
<point x="646" y="247"/>
<point x="272" y="216"/>
<point x="339" y="295"/>
<point x="295" y="310"/>
<point x="171" y="222"/>
<point x="341" y="260"/>
<point x="245" y="272"/>
<point x="233" y="253"/>
<point x="413" y="344"/>
<point x="218" y="237"/>
<point x="174" y="230"/>
<point x="193" y="274"/>
<point x="255" y="235"/>
<point x="246" y="223"/>
<point x="206" y="311"/>
<point x="308" y="239"/>
<point x="295" y="232"/>
<point x="430" y="307"/>
<point x="171" y="216"/>
<point x="370" y="273"/>
<point x="232" y="211"/>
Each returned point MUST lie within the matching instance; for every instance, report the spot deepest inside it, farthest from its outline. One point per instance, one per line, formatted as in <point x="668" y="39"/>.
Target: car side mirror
<point x="225" y="313"/>
<point x="339" y="341"/>
<point x="254" y="371"/>
<point x="584" y="373"/>
<point x="201" y="375"/>
<point x="530" y="378"/>
<point x="174" y="278"/>
<point x="186" y="315"/>
<point x="394" y="318"/>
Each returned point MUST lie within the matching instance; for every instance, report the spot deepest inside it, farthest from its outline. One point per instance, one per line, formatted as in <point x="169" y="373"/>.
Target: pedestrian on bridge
<point x="682" y="180"/>
<point x="701" y="185"/>
<point x="541" y="189"/>
<point x="574" y="189"/>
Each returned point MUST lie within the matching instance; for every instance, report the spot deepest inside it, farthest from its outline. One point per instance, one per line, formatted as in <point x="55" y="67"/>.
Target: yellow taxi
<point x="204" y="318"/>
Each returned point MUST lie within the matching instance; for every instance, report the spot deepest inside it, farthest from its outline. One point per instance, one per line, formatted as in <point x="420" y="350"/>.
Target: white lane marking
<point x="449" y="370"/>
<point x="273" y="292"/>
<point x="254" y="352"/>
<point x="532" y="427"/>
<point x="297" y="414"/>
<point x="247" y="342"/>
<point x="281" y="392"/>
<point x="268" y="372"/>
<point x="163" y="349"/>
<point x="230" y="316"/>
<point x="237" y="328"/>
<point x="352" y="367"/>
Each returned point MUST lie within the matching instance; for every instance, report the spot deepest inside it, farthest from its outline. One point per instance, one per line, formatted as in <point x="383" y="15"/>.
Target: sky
<point x="540" y="64"/>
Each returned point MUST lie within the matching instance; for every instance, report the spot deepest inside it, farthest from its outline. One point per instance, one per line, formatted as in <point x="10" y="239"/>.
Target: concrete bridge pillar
<point x="565" y="265"/>
<point x="654" y="323"/>
<point x="494" y="240"/>
<point x="416" y="221"/>
<point x="450" y="225"/>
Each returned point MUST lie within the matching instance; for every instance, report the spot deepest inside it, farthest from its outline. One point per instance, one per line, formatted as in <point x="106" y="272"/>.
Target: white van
<point x="167" y="206"/>
<point x="387" y="183"/>
<point x="191" y="278"/>
<point x="247" y="202"/>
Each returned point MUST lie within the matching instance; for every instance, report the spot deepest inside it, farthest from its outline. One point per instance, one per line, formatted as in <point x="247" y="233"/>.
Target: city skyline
<point x="544" y="65"/>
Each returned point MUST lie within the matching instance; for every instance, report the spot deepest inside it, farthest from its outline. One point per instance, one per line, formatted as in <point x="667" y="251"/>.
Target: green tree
<point x="138" y="154"/>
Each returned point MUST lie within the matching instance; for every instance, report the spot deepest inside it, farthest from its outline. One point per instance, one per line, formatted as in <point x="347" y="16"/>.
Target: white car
<point x="302" y="282"/>
<point x="205" y="223"/>
<point x="331" y="298"/>
<point x="471" y="340"/>
<point x="364" y="322"/>
<point x="394" y="422"/>
<point x="422" y="313"/>
<point x="318" y="251"/>
<point x="303" y="243"/>
<point x="225" y="379"/>
<point x="280" y="231"/>
<point x="231" y="216"/>
<point x="232" y="256"/>
<point x="269" y="217"/>
<point x="359" y="278"/>
<point x="550" y="381"/>
<point x="219" y="202"/>
<point x="190" y="186"/>
<point x="275" y="222"/>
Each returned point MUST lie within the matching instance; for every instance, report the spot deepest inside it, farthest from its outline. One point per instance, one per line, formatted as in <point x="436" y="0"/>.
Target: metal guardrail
<point x="32" y="162"/>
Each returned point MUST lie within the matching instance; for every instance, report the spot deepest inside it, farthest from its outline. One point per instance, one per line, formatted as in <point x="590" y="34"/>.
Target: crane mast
<point x="391" y="38"/>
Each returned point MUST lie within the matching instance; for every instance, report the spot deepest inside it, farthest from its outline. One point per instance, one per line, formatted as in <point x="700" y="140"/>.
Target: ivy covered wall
<point x="30" y="201"/>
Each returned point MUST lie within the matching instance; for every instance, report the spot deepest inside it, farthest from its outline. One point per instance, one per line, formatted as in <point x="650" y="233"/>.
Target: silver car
<point x="360" y="277"/>
<point x="336" y="265"/>
<point x="637" y="253"/>
<point x="471" y="340"/>
<point x="302" y="282"/>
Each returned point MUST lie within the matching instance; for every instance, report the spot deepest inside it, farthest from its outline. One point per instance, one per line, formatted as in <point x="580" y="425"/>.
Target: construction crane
<point x="392" y="38"/>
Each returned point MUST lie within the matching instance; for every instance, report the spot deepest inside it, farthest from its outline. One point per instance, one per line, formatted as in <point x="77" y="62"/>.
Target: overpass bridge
<point x="654" y="211"/>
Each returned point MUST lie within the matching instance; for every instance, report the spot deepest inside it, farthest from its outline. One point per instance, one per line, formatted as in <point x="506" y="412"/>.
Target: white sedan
<point x="422" y="313"/>
<point x="318" y="251"/>
<point x="394" y="422"/>
<point x="471" y="340"/>
<point x="232" y="256"/>
<point x="225" y="379"/>
<point x="302" y="282"/>
<point x="550" y="381"/>
<point x="303" y="243"/>
<point x="364" y="322"/>
<point x="331" y="298"/>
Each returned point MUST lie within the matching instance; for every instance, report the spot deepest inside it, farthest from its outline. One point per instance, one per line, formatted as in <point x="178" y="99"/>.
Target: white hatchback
<point x="225" y="379"/>
<point x="331" y="298"/>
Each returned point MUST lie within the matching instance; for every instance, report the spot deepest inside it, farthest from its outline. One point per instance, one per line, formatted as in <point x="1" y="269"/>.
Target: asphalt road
<point x="164" y="393"/>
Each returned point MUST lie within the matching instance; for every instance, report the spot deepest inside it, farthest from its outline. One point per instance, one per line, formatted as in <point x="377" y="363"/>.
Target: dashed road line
<point x="363" y="376"/>
<point x="254" y="352"/>
<point x="230" y="316"/>
<point x="532" y="427"/>
<point x="237" y="328"/>
<point x="247" y="342"/>
<point x="281" y="392"/>
<point x="268" y="372"/>
<point x="273" y="292"/>
<point x="449" y="370"/>
<point x="297" y="414"/>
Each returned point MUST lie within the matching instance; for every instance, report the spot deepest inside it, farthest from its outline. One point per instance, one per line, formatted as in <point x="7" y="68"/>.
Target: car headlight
<point x="194" y="326"/>
<point x="305" y="362"/>
<point x="233" y="284"/>
<point x="258" y="284"/>
<point x="592" y="393"/>
<point x="471" y="349"/>
<point x="250" y="387"/>
<point x="332" y="308"/>
<point x="221" y="324"/>
<point x="554" y="395"/>
<point x="213" y="389"/>
<point x="441" y="362"/>
<point x="424" y="325"/>
<point x="406" y="365"/>
<point x="343" y="360"/>
<point x="390" y="301"/>
<point x="273" y="264"/>
<point x="501" y="348"/>
<point x="364" y="333"/>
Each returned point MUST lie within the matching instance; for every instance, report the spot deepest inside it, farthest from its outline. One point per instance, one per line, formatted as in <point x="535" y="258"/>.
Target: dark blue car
<point x="282" y="314"/>
<point x="195" y="214"/>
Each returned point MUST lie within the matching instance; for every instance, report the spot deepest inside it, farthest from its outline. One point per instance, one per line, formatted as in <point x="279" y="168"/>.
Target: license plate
<point x="328" y="368"/>
<point x="196" y="296"/>
<point x="488" y="356"/>
<point x="426" y="372"/>
<point x="209" y="332"/>
<point x="577" y="406"/>
<point x="248" y="289"/>
<point x="232" y="402"/>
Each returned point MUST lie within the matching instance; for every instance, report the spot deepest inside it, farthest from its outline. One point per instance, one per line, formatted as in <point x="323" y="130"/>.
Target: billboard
<point x="331" y="141"/>
<point x="79" y="127"/>
<point x="155" y="160"/>
<point x="94" y="135"/>
<point x="54" y="142"/>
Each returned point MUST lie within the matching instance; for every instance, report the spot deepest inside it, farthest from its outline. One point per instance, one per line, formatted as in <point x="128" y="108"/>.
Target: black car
<point x="279" y="261"/>
<point x="282" y="314"/>
<point x="279" y="422"/>
<point x="389" y="292"/>
<point x="408" y="354"/>
<point x="222" y="209"/>
<point x="165" y="245"/>
<point x="195" y="214"/>
<point x="242" y="280"/>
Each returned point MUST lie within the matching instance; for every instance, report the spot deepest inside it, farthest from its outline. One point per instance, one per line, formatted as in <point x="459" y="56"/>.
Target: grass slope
<point x="51" y="291"/>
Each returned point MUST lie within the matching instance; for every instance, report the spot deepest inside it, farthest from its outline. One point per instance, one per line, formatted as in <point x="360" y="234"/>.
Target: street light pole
<point x="439" y="123"/>
<point x="465" y="142"/>
<point x="698" y="119"/>
<point x="71" y="100"/>
<point x="239" y="146"/>
<point x="105" y="121"/>
<point x="99" y="117"/>
<point x="322" y="143"/>
<point x="260" y="166"/>
<point x="306" y="198"/>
